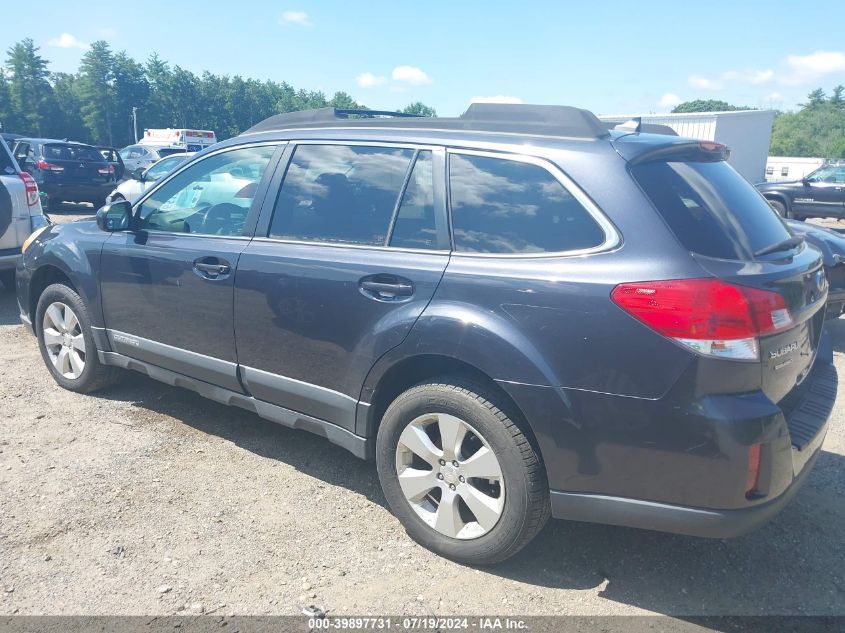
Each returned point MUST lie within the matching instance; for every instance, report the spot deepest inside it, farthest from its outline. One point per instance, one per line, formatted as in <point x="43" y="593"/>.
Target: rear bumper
<point x="678" y="464"/>
<point x="77" y="191"/>
<point x="678" y="519"/>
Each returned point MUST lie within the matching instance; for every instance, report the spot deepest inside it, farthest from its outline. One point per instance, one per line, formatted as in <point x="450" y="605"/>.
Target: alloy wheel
<point x="450" y="476"/>
<point x="64" y="341"/>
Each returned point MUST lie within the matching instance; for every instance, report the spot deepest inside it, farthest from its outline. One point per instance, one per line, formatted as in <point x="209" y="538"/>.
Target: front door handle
<point x="386" y="287"/>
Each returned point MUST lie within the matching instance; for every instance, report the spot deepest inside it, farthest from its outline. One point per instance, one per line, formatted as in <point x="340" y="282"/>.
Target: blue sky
<point x="610" y="57"/>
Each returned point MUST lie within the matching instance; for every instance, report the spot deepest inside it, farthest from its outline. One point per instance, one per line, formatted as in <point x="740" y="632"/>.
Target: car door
<point x="822" y="193"/>
<point x="346" y="257"/>
<point x="167" y="284"/>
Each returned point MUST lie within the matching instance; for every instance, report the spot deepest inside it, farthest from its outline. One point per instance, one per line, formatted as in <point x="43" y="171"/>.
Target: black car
<point x="820" y="194"/>
<point x="66" y="171"/>
<point x="832" y="246"/>
<point x="517" y="313"/>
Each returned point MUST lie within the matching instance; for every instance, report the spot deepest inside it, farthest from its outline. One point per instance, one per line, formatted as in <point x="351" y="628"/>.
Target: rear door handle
<point x="386" y="288"/>
<point x="211" y="268"/>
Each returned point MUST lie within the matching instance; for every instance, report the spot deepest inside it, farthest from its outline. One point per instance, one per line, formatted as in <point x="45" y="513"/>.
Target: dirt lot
<point x="147" y="499"/>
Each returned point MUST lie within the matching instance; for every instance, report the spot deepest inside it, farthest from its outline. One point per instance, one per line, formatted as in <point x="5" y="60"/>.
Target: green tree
<point x="97" y="91"/>
<point x="420" y="109"/>
<point x="837" y="100"/>
<point x="816" y="98"/>
<point x="131" y="89"/>
<point x="707" y="105"/>
<point x="29" y="91"/>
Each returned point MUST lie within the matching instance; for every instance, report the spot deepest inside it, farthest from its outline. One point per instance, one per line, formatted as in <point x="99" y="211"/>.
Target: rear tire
<point x="478" y="512"/>
<point x="63" y="328"/>
<point x="780" y="209"/>
<point x="7" y="277"/>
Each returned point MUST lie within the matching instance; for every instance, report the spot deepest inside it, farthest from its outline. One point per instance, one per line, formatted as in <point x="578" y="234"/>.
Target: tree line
<point x="94" y="104"/>
<point x="816" y="129"/>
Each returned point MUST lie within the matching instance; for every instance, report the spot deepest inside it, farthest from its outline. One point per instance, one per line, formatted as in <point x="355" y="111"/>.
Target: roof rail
<point x="545" y="120"/>
<point x="320" y="115"/>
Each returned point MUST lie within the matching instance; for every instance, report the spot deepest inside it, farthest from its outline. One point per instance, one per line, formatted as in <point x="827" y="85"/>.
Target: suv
<point x="65" y="170"/>
<point x="820" y="194"/>
<point x="20" y="214"/>
<point x="516" y="312"/>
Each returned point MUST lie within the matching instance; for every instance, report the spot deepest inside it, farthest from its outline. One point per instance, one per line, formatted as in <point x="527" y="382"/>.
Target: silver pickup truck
<point x="20" y="213"/>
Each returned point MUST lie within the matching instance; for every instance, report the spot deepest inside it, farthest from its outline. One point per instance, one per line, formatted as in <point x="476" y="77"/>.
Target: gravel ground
<point x="147" y="499"/>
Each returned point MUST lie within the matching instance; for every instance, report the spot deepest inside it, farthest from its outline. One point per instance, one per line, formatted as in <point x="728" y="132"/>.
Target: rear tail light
<point x="43" y="164"/>
<point x="106" y="171"/>
<point x="31" y="189"/>
<point x="710" y="316"/>
<point x="752" y="479"/>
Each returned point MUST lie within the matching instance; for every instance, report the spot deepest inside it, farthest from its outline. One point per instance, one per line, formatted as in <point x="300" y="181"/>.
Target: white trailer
<point x="747" y="134"/>
<point x="779" y="168"/>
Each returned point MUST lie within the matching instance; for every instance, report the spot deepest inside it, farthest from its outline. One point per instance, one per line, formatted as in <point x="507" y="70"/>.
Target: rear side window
<point x="340" y="193"/>
<point x="711" y="209"/>
<point x="55" y="151"/>
<point x="415" y="224"/>
<point x="7" y="167"/>
<point x="506" y="206"/>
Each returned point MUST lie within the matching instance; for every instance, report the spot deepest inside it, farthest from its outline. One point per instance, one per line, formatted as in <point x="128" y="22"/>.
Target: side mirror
<point x="137" y="174"/>
<point x="116" y="216"/>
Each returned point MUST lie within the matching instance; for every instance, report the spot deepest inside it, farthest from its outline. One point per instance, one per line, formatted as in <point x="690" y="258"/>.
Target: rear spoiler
<point x="680" y="150"/>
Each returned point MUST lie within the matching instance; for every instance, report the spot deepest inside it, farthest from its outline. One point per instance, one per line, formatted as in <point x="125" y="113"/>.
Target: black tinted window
<point x="506" y="206"/>
<point x="72" y="152"/>
<point x="415" y="226"/>
<point x="711" y="209"/>
<point x="340" y="193"/>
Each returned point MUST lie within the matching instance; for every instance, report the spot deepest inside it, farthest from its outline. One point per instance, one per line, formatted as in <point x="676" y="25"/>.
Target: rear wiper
<point x="788" y="243"/>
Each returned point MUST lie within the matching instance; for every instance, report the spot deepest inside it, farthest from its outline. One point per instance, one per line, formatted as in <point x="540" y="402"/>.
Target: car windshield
<point x="829" y="173"/>
<point x="163" y="167"/>
<point x="71" y="152"/>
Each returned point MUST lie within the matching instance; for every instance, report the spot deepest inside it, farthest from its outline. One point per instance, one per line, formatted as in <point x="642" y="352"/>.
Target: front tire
<point x="67" y="346"/>
<point x="459" y="474"/>
<point x="780" y="209"/>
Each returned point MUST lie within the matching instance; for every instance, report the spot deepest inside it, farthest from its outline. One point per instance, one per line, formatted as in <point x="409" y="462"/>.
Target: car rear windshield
<point x="56" y="151"/>
<point x="711" y="209"/>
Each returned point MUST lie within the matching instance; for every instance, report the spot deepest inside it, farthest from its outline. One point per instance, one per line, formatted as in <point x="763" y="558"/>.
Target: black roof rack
<point x="544" y="120"/>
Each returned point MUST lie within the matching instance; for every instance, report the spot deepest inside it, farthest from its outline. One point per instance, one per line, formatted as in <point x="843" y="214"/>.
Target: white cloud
<point x="669" y="100"/>
<point x="368" y="80"/>
<point x="703" y="83"/>
<point x="808" y="68"/>
<point x="411" y="75"/>
<point x="295" y="17"/>
<point x="66" y="40"/>
<point x="496" y="99"/>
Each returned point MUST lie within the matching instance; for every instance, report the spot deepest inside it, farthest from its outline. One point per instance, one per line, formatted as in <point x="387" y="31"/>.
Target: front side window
<point x="784" y="171"/>
<point x="506" y="206"/>
<point x="162" y="168"/>
<point x="340" y="194"/>
<point x="211" y="197"/>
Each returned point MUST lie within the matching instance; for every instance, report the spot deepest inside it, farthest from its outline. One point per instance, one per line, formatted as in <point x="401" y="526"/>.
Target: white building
<point x="790" y="167"/>
<point x="746" y="133"/>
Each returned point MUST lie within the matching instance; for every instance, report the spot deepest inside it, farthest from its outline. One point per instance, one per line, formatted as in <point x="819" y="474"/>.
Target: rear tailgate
<point x="735" y="236"/>
<point x="76" y="164"/>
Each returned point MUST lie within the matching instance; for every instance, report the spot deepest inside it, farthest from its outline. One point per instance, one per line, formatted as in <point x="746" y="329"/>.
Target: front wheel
<point x="780" y="209"/>
<point x="459" y="474"/>
<point x="67" y="346"/>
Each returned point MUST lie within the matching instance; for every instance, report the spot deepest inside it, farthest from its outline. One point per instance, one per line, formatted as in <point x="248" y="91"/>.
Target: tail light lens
<point x="31" y="189"/>
<point x="710" y="316"/>
<point x="44" y="165"/>
<point x="106" y="171"/>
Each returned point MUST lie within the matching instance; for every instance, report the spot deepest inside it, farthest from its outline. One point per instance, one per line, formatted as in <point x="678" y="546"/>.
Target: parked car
<point x="141" y="156"/>
<point x="832" y="246"/>
<point x="20" y="214"/>
<point x="113" y="157"/>
<point x="65" y="170"/>
<point x="142" y="179"/>
<point x="821" y="194"/>
<point x="516" y="312"/>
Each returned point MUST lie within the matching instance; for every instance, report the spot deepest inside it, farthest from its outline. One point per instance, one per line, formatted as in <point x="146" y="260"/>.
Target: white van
<point x="183" y="138"/>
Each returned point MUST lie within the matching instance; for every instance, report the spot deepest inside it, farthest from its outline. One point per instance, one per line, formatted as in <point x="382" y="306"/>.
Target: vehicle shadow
<point x="70" y="208"/>
<point x="794" y="565"/>
<point x="836" y="327"/>
<point x="9" y="314"/>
